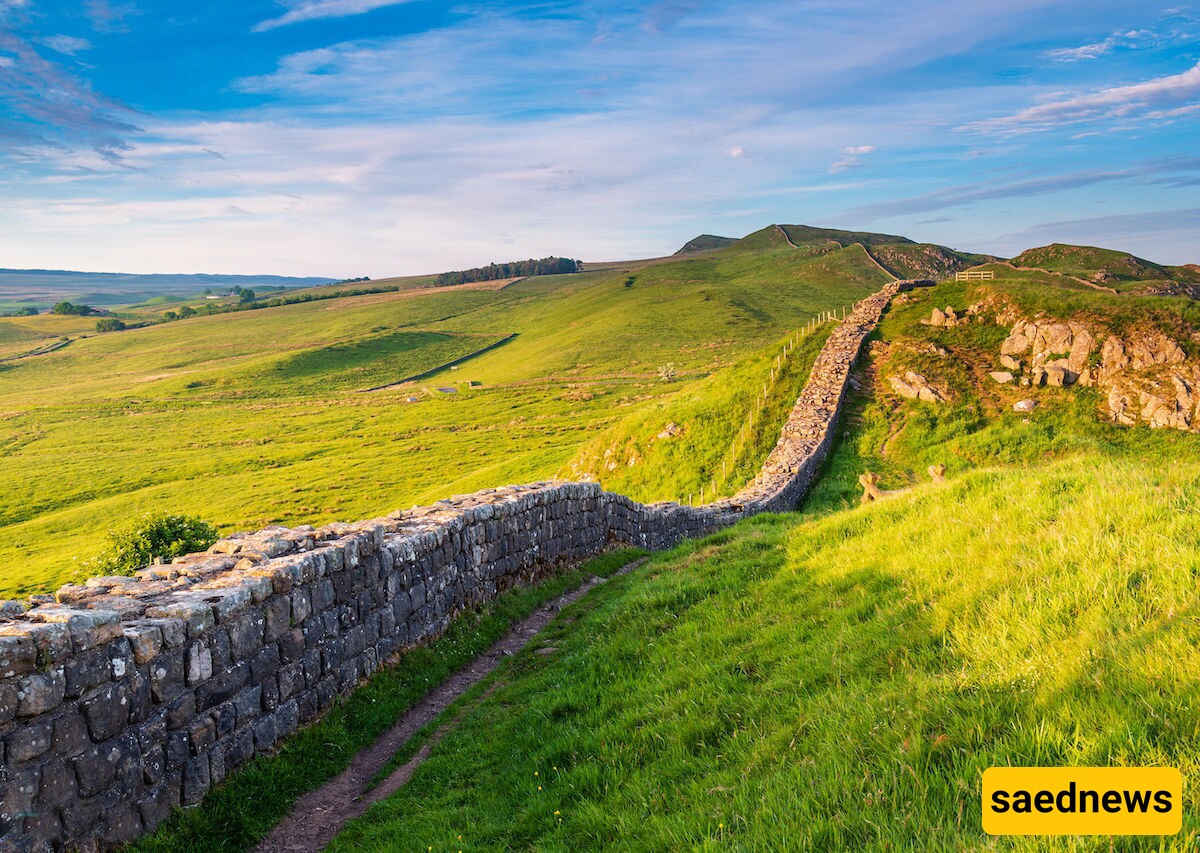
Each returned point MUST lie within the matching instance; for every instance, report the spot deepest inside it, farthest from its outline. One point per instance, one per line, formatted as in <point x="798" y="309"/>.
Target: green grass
<point x="841" y="683"/>
<point x="251" y="418"/>
<point x="705" y="459"/>
<point x="238" y="814"/>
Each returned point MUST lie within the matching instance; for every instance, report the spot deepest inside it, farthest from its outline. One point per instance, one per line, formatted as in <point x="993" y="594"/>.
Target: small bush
<point x="155" y="535"/>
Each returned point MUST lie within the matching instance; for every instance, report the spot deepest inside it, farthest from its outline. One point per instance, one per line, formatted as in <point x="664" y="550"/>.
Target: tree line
<point x="513" y="269"/>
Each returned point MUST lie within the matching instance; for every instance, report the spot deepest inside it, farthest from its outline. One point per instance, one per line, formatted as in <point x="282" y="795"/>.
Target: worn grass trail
<point x="318" y="816"/>
<point x="246" y="808"/>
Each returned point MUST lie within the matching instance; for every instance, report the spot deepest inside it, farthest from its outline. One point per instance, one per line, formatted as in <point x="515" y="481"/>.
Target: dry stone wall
<point x="122" y="698"/>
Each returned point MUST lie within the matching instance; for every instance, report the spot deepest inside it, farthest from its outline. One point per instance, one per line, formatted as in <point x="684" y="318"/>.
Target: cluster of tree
<point x="513" y="269"/>
<point x="109" y="324"/>
<point x="183" y="313"/>
<point x="244" y="294"/>
<point x="70" y="308"/>
<point x="353" y="280"/>
<point x="27" y="311"/>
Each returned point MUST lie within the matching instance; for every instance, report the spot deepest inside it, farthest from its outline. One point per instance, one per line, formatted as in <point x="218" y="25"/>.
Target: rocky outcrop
<point x="1145" y="376"/>
<point x="1049" y="353"/>
<point x="122" y="698"/>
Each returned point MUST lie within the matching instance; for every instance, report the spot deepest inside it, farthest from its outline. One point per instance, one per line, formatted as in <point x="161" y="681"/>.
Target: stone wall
<point x="123" y="698"/>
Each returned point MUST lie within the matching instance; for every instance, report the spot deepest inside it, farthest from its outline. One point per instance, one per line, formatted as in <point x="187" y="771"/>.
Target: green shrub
<point x="156" y="535"/>
<point x="109" y="324"/>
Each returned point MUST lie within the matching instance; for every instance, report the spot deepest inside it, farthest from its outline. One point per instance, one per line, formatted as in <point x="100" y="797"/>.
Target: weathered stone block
<point x="106" y="711"/>
<point x="40" y="692"/>
<point x="199" y="663"/>
<point x="145" y="641"/>
<point x="29" y="741"/>
<point x="195" y="780"/>
<point x="70" y="733"/>
<point x="95" y="768"/>
<point x="18" y="655"/>
<point x="196" y="615"/>
<point x="222" y="686"/>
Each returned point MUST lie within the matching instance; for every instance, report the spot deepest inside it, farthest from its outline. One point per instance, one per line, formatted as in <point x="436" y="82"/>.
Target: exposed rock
<point x="914" y="386"/>
<point x="1001" y="376"/>
<point x="1025" y="405"/>
<point x="1058" y="376"/>
<point x="1011" y="363"/>
<point x="670" y="430"/>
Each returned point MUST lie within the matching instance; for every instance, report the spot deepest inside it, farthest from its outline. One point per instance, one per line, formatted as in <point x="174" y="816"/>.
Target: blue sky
<point x="367" y="137"/>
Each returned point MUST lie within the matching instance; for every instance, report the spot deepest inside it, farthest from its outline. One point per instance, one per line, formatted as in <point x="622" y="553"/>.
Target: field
<point x="256" y="417"/>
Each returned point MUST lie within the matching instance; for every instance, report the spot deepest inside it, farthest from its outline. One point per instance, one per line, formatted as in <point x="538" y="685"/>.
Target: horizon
<point x="339" y="138"/>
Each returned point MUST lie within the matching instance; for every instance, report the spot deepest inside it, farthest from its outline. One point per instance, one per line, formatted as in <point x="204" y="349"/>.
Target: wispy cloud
<point x="69" y="45"/>
<point x="49" y="107"/>
<point x="109" y="17"/>
<point x="1168" y="171"/>
<point x="851" y="158"/>
<point x="314" y="10"/>
<point x="1129" y="38"/>
<point x="1160" y="97"/>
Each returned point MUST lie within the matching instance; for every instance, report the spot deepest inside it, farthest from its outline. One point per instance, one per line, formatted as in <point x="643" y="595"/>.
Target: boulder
<point x="1053" y="338"/>
<point x="1058" y="376"/>
<point x="1025" y="405"/>
<point x="1007" y="361"/>
<point x="1019" y="340"/>
<point x="902" y="388"/>
<point x="1001" y="376"/>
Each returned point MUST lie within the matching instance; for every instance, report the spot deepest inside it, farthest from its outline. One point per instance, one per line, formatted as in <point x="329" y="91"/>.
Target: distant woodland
<point x="514" y="269"/>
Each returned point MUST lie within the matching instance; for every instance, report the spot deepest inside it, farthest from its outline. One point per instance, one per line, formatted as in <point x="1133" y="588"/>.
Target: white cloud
<point x="737" y="152"/>
<point x="1167" y="94"/>
<point x="1131" y="38"/>
<point x="851" y="158"/>
<point x="7" y="62"/>
<point x="69" y="45"/>
<point x="313" y="10"/>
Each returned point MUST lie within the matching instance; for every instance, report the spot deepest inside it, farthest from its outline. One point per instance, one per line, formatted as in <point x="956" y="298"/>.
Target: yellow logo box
<point x="1082" y="800"/>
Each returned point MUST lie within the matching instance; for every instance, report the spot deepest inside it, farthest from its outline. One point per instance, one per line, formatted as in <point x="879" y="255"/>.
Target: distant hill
<point x="813" y="239"/>
<point x="1109" y="267"/>
<point x="706" y="243"/>
<point x="43" y="287"/>
<point x="899" y="255"/>
<point x="925" y="260"/>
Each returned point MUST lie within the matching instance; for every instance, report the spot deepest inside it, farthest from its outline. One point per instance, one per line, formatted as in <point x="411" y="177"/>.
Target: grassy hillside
<point x="1087" y="261"/>
<point x="252" y="418"/>
<point x="924" y="260"/>
<point x="842" y="682"/>
<point x="709" y="438"/>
